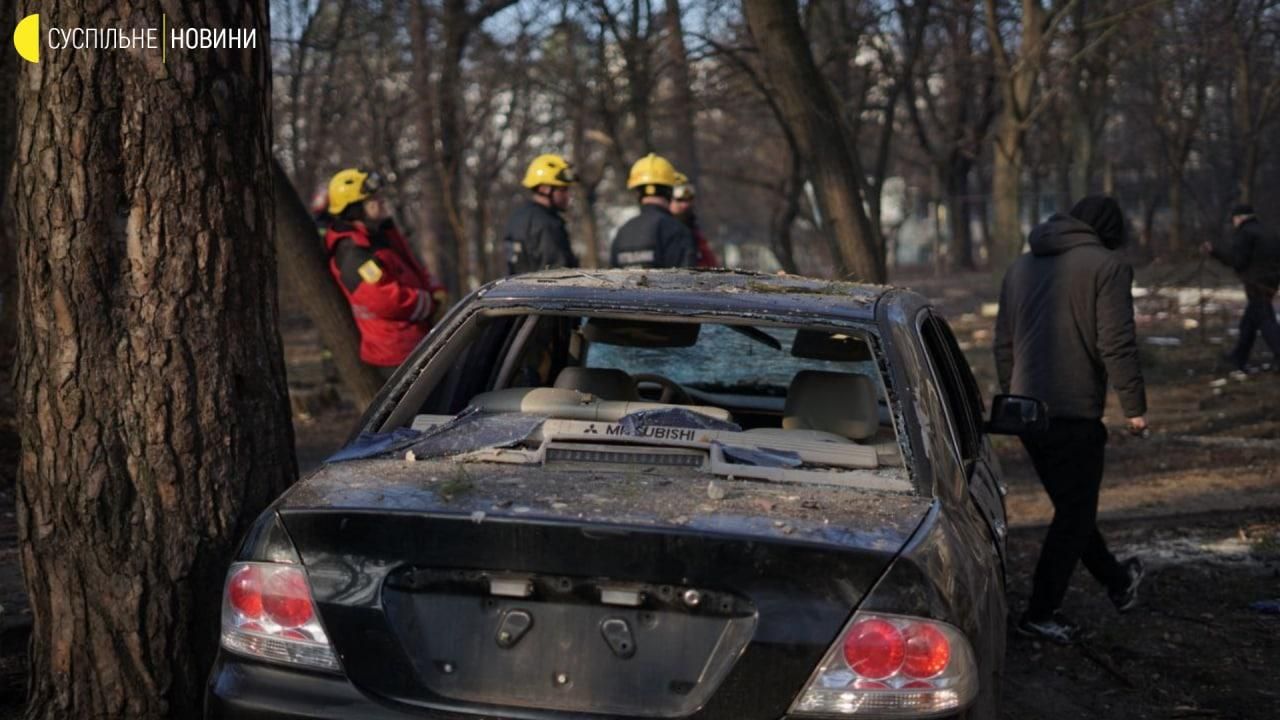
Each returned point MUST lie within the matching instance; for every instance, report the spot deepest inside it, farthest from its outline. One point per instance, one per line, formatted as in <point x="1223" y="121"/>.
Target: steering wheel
<point x="672" y="393"/>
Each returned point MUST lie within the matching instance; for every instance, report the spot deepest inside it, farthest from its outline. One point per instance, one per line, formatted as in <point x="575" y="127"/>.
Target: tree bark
<point x="8" y="242"/>
<point x="959" y="216"/>
<point x="153" y="407"/>
<point x="812" y="113"/>
<point x="1175" y="213"/>
<point x="441" y="245"/>
<point x="1006" y="192"/>
<point x="304" y="271"/>
<point x="1018" y="75"/>
<point x="584" y="210"/>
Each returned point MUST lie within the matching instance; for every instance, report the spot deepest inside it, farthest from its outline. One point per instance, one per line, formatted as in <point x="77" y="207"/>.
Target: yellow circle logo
<point x="26" y="38"/>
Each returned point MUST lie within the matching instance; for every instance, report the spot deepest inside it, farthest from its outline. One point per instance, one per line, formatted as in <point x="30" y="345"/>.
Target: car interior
<point x="781" y="385"/>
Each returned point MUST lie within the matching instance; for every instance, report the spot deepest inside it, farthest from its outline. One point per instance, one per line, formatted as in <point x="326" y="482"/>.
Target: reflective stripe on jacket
<point x="388" y="288"/>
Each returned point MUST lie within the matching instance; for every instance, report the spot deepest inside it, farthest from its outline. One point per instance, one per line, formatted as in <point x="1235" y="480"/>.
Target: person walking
<point x="1064" y="331"/>
<point x="682" y="207"/>
<point x="654" y="238"/>
<point x="1254" y="254"/>
<point x="536" y="237"/>
<point x="393" y="297"/>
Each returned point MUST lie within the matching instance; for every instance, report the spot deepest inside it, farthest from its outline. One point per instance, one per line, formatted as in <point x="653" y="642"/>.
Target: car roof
<point x="676" y="290"/>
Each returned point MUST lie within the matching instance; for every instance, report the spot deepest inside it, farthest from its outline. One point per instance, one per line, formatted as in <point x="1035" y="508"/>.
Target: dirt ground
<point x="1199" y="500"/>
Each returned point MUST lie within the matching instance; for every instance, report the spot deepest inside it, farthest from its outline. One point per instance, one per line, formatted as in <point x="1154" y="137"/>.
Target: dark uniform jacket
<point x="653" y="239"/>
<point x="389" y="290"/>
<point x="536" y="239"/>
<point x="1255" y="256"/>
<point x="1065" y="326"/>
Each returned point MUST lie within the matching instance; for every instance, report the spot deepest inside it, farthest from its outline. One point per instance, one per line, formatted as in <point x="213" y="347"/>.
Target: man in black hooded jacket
<point x="1255" y="256"/>
<point x="1064" y="331"/>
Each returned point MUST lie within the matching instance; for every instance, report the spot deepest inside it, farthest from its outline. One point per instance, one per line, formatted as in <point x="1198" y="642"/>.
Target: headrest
<point x="604" y="383"/>
<point x="841" y="403"/>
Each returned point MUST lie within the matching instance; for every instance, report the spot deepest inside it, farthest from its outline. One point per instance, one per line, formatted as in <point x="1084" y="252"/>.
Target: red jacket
<point x="389" y="290"/>
<point x="706" y="256"/>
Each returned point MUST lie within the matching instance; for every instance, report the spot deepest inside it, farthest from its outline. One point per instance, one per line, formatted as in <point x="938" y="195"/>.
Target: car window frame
<point x="948" y="364"/>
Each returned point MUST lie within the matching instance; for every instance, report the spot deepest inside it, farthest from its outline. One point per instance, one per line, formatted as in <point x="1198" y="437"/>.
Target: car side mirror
<point x="1017" y="415"/>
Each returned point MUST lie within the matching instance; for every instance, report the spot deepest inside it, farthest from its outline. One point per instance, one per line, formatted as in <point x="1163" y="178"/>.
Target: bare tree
<point x="806" y="99"/>
<point x="1018" y="69"/>
<point x="1255" y="84"/>
<point x="789" y="188"/>
<point x="1048" y="85"/>
<point x="440" y="37"/>
<point x="152" y="400"/>
<point x="1090" y="70"/>
<point x="952" y="105"/>
<point x="1175" y="63"/>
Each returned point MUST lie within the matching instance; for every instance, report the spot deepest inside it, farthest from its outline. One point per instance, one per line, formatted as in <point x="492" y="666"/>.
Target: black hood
<point x="1059" y="234"/>
<point x="1103" y="214"/>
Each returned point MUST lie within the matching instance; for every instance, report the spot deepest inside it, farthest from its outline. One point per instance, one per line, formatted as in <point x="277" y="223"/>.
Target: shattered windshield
<point x="722" y="358"/>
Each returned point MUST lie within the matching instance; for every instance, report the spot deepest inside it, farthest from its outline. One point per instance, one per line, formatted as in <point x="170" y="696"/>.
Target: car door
<point x="966" y="408"/>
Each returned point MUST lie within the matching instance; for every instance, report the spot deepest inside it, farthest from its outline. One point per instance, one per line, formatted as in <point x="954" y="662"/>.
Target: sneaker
<point x="1126" y="598"/>
<point x="1057" y="629"/>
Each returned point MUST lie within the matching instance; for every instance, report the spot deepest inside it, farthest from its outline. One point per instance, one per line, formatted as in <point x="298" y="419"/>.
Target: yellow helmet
<point x="652" y="170"/>
<point x="351" y="186"/>
<point x="684" y="189"/>
<point x="551" y="170"/>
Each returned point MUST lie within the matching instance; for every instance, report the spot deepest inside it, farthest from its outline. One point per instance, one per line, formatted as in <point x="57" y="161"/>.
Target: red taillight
<point x="888" y="665"/>
<point x="244" y="590"/>
<point x="286" y="597"/>
<point x="927" y="651"/>
<point x="268" y="613"/>
<point x="874" y="649"/>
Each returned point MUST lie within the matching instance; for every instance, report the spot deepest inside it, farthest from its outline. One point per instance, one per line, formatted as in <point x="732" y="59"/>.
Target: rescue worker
<point x="536" y="237"/>
<point x="1255" y="256"/>
<point x="1065" y="330"/>
<point x="393" y="297"/>
<point x="682" y="198"/>
<point x="654" y="238"/>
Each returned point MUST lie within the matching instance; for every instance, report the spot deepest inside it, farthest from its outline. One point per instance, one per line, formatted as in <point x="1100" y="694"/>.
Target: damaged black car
<point x="643" y="494"/>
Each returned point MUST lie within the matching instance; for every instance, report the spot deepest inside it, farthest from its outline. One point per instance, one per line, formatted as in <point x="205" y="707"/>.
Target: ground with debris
<point x="1200" y="499"/>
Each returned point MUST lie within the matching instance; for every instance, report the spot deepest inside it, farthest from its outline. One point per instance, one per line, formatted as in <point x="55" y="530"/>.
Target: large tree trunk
<point x="456" y="24"/>
<point x="1175" y="213"/>
<point x="304" y="271"/>
<point x="153" y="407"/>
<point x="1006" y="193"/>
<point x="584" y="209"/>
<point x="959" y="216"/>
<point x="1018" y="75"/>
<point x="811" y="111"/>
<point x="1083" y="144"/>
<point x="588" y="225"/>
<point x="8" y="242"/>
<point x="441" y="246"/>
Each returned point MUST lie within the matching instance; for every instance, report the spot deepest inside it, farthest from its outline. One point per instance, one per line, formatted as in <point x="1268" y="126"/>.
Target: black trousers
<point x="1259" y="316"/>
<point x="1068" y="457"/>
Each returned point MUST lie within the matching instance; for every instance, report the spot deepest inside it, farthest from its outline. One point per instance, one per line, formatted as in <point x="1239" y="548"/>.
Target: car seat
<point x="604" y="383"/>
<point x="829" y="406"/>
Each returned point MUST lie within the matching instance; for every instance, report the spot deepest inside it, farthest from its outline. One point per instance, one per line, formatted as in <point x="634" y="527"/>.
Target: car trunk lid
<point x="622" y="593"/>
